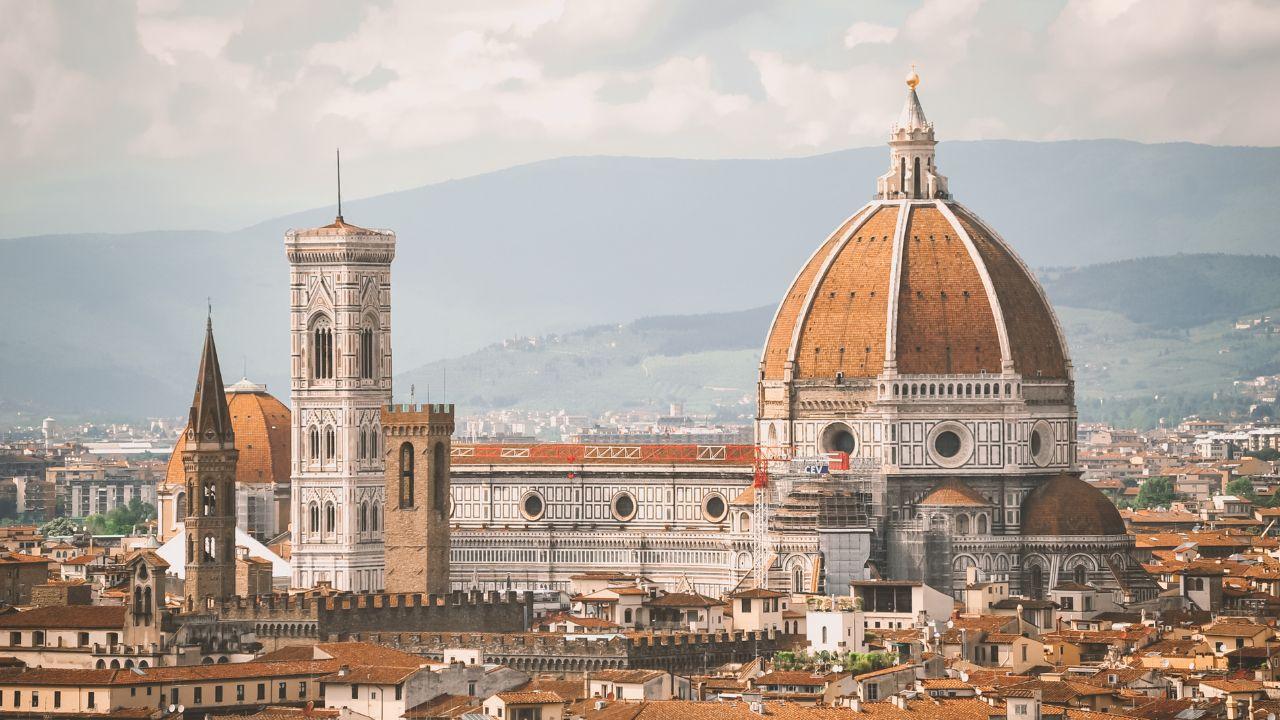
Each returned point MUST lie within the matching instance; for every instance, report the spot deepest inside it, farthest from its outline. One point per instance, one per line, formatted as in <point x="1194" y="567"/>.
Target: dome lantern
<point x="912" y="174"/>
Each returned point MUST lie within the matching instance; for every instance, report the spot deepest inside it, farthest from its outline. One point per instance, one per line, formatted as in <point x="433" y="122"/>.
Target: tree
<point x="1155" y="492"/>
<point x="1267" y="454"/>
<point x="121" y="520"/>
<point x="1242" y="487"/>
<point x="59" y="526"/>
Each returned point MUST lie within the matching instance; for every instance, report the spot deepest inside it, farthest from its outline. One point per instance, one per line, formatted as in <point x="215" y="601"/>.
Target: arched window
<point x="902" y="175"/>
<point x="439" y="478"/>
<point x="322" y="349"/>
<point x="744" y="522"/>
<point x="797" y="580"/>
<point x="982" y="524"/>
<point x="373" y="517"/>
<point x="314" y="444"/>
<point x="626" y="615"/>
<point x="364" y="517"/>
<point x="362" y="442"/>
<point x="330" y="444"/>
<point x="209" y="498"/>
<point x="824" y="634"/>
<point x="406" y="475"/>
<point x="210" y="549"/>
<point x="915" y="179"/>
<point x="146" y="600"/>
<point x="1079" y="574"/>
<point x="330" y="518"/>
<point x="962" y="525"/>
<point x="367" y="354"/>
<point x="180" y="508"/>
<point x="1036" y="591"/>
<point x="314" y="525"/>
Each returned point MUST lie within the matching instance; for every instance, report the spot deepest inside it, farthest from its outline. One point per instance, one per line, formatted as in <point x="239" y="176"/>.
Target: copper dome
<point x="933" y="292"/>
<point x="1067" y="505"/>
<point x="261" y="426"/>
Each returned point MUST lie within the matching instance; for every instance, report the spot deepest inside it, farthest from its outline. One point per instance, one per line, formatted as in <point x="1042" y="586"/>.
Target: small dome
<point x="261" y="426"/>
<point x="1067" y="505"/>
<point x="954" y="493"/>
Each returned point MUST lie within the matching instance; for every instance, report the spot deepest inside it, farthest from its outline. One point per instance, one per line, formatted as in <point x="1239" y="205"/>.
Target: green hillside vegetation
<point x="1173" y="292"/>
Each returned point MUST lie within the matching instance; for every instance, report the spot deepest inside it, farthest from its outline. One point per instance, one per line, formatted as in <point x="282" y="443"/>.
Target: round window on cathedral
<point x="714" y="508"/>
<point x="838" y="437"/>
<point x="947" y="444"/>
<point x="950" y="444"/>
<point x="623" y="506"/>
<point x="1040" y="443"/>
<point x="532" y="505"/>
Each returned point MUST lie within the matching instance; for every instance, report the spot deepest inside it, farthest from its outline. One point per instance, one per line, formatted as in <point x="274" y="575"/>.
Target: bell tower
<point x="340" y="292"/>
<point x="209" y="466"/>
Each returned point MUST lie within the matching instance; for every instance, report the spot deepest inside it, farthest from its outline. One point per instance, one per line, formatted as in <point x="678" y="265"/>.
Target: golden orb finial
<point x="913" y="78"/>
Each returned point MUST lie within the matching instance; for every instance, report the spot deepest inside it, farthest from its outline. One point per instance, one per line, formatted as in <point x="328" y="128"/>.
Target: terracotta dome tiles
<point x="779" y="342"/>
<point x="1033" y="335"/>
<point x="945" y="321"/>
<point x="844" y="328"/>
<point x="261" y="426"/>
<point x="1067" y="505"/>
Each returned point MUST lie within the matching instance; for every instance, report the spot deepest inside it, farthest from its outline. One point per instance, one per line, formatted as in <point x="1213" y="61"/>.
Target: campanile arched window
<point x="406" y="475"/>
<point x="321" y="349"/>
<point x="368" y="355"/>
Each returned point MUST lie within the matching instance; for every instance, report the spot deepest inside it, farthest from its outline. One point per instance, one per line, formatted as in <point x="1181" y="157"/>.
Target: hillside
<point x="109" y="326"/>
<point x="1134" y="363"/>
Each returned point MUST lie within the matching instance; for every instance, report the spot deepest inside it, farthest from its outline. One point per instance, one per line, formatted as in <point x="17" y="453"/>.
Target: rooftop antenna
<point x="412" y="391"/>
<point x="209" y="318"/>
<point x="338" y="151"/>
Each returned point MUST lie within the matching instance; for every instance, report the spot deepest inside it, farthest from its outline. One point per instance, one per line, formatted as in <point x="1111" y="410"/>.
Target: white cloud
<point x="864" y="33"/>
<point x="175" y="91"/>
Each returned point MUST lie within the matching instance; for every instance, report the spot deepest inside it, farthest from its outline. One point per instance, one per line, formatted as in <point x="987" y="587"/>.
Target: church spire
<point x="210" y="417"/>
<point x="912" y="174"/>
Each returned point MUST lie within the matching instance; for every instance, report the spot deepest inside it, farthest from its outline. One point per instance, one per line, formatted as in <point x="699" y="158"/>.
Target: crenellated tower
<point x="209" y="464"/>
<point x="417" y="484"/>
<point x="340" y="297"/>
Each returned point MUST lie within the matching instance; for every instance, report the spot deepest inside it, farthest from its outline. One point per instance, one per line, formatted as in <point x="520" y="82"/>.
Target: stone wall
<point x="339" y="617"/>
<point x="564" y="654"/>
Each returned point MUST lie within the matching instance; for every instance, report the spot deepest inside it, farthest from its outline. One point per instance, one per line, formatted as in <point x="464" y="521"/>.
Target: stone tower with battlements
<point x="340" y="297"/>
<point x="416" y="438"/>
<point x="209" y="466"/>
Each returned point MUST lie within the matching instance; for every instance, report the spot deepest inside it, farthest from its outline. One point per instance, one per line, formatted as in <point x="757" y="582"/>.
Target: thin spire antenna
<point x="208" y="320"/>
<point x="338" y="152"/>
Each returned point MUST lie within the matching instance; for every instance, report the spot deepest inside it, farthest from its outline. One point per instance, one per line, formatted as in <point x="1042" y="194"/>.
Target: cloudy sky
<point x="166" y="114"/>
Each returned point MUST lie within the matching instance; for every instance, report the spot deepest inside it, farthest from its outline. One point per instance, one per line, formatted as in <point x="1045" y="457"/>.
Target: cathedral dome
<point x="913" y="282"/>
<point x="261" y="426"/>
<point x="1067" y="505"/>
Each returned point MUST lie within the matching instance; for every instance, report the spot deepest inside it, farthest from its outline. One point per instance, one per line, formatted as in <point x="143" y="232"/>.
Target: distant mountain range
<point x="108" y="326"/>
